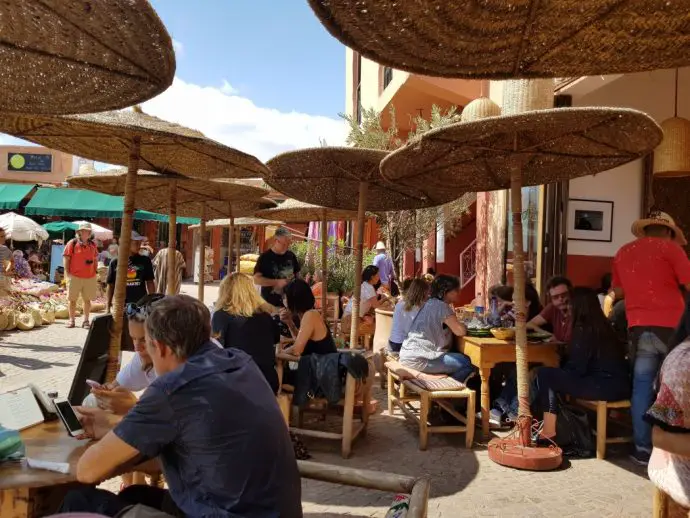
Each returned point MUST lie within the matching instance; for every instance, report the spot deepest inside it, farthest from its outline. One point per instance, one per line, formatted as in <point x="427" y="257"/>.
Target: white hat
<point x="85" y="226"/>
<point x="136" y="236"/>
<point x="658" y="218"/>
<point x="380" y="246"/>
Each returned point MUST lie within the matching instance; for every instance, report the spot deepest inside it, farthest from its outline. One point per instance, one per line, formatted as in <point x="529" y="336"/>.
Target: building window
<point x="387" y="76"/>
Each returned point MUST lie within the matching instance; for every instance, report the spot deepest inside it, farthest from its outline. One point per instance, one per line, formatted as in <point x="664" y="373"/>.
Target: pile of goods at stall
<point x="33" y="303"/>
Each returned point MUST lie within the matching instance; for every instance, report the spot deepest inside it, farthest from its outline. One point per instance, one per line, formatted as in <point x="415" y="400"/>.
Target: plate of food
<point x="538" y="336"/>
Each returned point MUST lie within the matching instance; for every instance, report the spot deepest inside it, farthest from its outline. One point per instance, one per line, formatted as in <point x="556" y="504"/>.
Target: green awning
<point x="12" y="194"/>
<point x="58" y="229"/>
<point x="79" y="203"/>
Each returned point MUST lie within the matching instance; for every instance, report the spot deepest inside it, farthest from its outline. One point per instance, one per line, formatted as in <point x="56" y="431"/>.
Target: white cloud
<point x="178" y="47"/>
<point x="237" y="122"/>
<point x="228" y="89"/>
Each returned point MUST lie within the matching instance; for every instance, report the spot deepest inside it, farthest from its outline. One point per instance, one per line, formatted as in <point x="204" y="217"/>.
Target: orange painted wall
<point x="587" y="270"/>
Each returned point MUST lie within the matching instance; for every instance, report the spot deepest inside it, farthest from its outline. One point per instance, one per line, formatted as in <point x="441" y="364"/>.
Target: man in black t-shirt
<point x="139" y="274"/>
<point x="275" y="268"/>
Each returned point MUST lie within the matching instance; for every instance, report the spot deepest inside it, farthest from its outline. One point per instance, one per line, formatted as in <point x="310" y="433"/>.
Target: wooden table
<point x="33" y="493"/>
<point x="485" y="353"/>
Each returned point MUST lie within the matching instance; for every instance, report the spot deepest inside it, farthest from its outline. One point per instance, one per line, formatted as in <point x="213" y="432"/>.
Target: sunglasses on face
<point x="132" y="308"/>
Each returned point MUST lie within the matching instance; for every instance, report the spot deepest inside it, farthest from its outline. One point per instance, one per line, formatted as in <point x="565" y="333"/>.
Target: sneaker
<point x="495" y="418"/>
<point x="640" y="457"/>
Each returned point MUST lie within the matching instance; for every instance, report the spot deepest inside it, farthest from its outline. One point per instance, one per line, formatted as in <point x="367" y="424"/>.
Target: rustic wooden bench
<point x="602" y="409"/>
<point x="403" y="391"/>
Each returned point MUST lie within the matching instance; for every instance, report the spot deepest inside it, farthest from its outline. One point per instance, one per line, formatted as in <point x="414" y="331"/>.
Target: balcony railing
<point x="468" y="264"/>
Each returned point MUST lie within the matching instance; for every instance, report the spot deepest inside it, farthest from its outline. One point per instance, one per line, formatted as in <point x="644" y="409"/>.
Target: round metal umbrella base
<point x="510" y="452"/>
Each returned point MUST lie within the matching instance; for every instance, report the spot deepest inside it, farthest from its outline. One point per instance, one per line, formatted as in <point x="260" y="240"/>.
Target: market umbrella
<point x="348" y="179"/>
<point x="98" y="231"/>
<point x="531" y="148"/>
<point x="21" y="228"/>
<point x="132" y="138"/>
<point x="58" y="229"/>
<point x="62" y="57"/>
<point x="176" y="195"/>
<point x="505" y="40"/>
<point x="293" y="211"/>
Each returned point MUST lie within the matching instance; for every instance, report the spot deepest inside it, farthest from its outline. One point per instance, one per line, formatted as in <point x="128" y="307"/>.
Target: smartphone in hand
<point x="68" y="417"/>
<point x="95" y="384"/>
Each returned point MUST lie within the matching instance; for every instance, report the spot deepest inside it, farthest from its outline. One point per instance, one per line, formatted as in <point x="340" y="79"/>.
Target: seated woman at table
<point x="369" y="300"/>
<point x="313" y="335"/>
<point x="595" y="367"/>
<point x="242" y="319"/>
<point x="118" y="396"/>
<point x="669" y="465"/>
<point x="405" y="312"/>
<point x="504" y="296"/>
<point x="430" y="339"/>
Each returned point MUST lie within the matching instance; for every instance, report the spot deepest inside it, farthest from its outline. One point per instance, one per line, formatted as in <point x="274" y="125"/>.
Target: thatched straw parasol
<point x="293" y="211"/>
<point x="506" y="40"/>
<point x="532" y="148"/>
<point x="62" y="57"/>
<point x="240" y="222"/>
<point x="132" y="138"/>
<point x="348" y="179"/>
<point x="178" y="196"/>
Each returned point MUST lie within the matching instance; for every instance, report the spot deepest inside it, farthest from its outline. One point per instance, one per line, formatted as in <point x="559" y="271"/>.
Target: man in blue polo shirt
<point x="211" y="420"/>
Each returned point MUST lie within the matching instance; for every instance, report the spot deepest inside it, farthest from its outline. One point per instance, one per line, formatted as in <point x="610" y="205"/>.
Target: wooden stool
<point x="665" y="507"/>
<point x="602" y="409"/>
<point x="402" y="392"/>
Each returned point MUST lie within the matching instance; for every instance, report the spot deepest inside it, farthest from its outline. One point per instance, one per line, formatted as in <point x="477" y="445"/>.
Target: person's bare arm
<point x="150" y="287"/>
<point x="457" y="327"/>
<point x="536" y="324"/>
<point x="270" y="283"/>
<point x="66" y="260"/>
<point x="105" y="458"/>
<point x="306" y="330"/>
<point x="675" y="443"/>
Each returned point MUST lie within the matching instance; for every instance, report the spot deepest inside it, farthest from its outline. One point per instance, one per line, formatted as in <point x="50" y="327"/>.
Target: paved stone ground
<point x="464" y="483"/>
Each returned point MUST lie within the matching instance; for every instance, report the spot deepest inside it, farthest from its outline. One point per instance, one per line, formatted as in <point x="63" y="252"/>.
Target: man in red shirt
<point x="80" y="260"/>
<point x="557" y="312"/>
<point x="649" y="274"/>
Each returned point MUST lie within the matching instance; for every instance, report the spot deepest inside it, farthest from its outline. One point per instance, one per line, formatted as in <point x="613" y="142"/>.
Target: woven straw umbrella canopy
<point x="61" y="57"/>
<point x="240" y="222"/>
<point x="134" y="139"/>
<point x="519" y="39"/>
<point x="531" y="148"/>
<point x="349" y="179"/>
<point x="293" y="211"/>
<point x="179" y="196"/>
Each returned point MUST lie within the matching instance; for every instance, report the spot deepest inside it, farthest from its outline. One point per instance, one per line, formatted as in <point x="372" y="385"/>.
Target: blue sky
<point x="275" y="53"/>
<point x="263" y="77"/>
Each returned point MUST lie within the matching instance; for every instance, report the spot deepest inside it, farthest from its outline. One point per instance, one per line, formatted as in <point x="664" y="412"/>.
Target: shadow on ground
<point x="76" y="349"/>
<point x="30" y="363"/>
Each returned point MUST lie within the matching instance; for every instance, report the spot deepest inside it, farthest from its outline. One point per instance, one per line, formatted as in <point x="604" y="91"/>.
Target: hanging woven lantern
<point x="480" y="108"/>
<point x="672" y="157"/>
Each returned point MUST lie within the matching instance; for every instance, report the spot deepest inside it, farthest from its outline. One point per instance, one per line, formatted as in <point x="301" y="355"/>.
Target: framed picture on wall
<point x="590" y="220"/>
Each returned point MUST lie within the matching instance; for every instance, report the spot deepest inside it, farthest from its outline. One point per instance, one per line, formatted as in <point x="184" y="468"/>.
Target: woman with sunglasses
<point x="118" y="397"/>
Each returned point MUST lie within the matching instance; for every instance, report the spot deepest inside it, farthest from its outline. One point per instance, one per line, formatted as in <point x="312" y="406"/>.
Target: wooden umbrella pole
<point x="118" y="304"/>
<point x="521" y="355"/>
<point x="202" y="253"/>
<point x="359" y="255"/>
<point x="171" y="277"/>
<point x="231" y="228"/>
<point x="238" y="235"/>
<point x="324" y="265"/>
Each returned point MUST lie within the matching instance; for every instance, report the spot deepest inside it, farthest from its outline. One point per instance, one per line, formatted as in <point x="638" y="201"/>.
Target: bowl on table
<point x="503" y="333"/>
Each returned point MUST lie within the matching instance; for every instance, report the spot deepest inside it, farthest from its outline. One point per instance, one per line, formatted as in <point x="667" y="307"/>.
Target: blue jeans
<point x="649" y="355"/>
<point x="456" y="365"/>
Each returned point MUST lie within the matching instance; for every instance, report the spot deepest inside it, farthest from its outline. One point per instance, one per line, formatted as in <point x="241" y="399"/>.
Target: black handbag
<point x="573" y="432"/>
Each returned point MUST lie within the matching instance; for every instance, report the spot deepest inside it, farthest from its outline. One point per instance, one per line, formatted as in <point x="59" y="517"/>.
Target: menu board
<point x="19" y="409"/>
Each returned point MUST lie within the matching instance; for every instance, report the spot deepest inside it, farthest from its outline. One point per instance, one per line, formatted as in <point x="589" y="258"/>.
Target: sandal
<point x="71" y="324"/>
<point x="86" y="324"/>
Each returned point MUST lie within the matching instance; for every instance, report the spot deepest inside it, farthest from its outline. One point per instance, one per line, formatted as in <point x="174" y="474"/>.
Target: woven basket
<point x="25" y="321"/>
<point x="524" y="95"/>
<point x="503" y="333"/>
<point x="672" y="157"/>
<point x="480" y="108"/>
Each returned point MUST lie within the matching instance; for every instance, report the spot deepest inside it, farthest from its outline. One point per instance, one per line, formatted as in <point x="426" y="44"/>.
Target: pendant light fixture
<point x="672" y="157"/>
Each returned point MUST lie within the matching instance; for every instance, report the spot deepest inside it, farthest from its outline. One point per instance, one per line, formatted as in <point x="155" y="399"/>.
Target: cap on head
<point x="84" y="226"/>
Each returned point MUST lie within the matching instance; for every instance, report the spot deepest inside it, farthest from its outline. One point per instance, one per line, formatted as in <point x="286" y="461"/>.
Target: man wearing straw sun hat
<point x="649" y="273"/>
<point x="80" y="260"/>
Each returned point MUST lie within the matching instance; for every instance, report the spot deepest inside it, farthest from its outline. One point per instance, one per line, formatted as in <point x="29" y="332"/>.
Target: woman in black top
<point x="313" y="335"/>
<point x="595" y="367"/>
<point x="242" y="320"/>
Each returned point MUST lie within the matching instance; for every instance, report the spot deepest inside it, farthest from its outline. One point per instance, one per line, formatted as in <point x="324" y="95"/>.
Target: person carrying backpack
<point x="80" y="260"/>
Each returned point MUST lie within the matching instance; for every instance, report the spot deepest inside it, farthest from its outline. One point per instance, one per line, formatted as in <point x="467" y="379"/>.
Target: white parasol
<point x="21" y="228"/>
<point x="98" y="231"/>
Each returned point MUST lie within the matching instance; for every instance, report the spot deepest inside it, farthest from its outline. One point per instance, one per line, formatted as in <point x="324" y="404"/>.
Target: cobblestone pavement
<point x="464" y="483"/>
